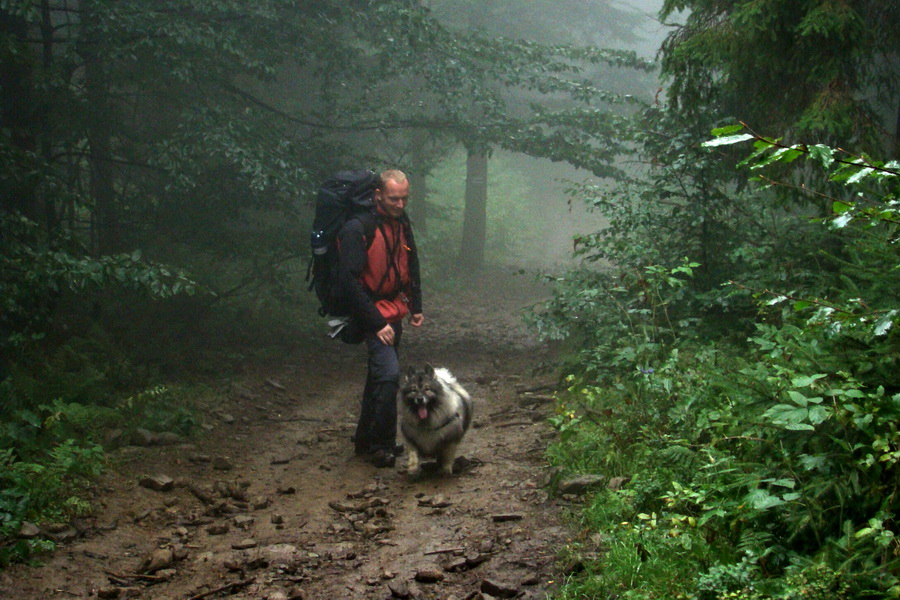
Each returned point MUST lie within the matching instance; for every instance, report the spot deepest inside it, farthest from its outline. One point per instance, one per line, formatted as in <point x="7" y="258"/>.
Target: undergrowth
<point x="59" y="418"/>
<point x="759" y="468"/>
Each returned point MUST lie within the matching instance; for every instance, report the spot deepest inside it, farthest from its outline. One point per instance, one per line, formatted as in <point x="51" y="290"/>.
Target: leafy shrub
<point x="765" y="469"/>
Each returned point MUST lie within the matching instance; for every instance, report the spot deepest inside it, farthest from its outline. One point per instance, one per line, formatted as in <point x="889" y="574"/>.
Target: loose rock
<point x="399" y="589"/>
<point x="220" y="529"/>
<point x="617" y="483"/>
<point x="220" y="463"/>
<point x="158" y="483"/>
<point x="429" y="575"/>
<point x="29" y="531"/>
<point x="158" y="559"/>
<point x="581" y="484"/>
<point x="502" y="518"/>
<point x="500" y="590"/>
<point x="243" y="521"/>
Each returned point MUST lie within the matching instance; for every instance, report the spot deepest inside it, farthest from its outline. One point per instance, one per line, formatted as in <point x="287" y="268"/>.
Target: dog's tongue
<point x="423" y="413"/>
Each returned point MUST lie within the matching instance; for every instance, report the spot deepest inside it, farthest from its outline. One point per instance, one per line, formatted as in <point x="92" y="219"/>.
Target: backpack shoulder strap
<point x="370" y="223"/>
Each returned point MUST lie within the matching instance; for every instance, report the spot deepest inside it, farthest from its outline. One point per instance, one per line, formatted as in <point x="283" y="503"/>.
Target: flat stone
<point x="245" y="544"/>
<point x="158" y="559"/>
<point x="280" y="551"/>
<point x="66" y="535"/>
<point x="475" y="559"/>
<point x="143" y="437"/>
<point x="398" y="589"/>
<point x="581" y="484"/>
<point x="499" y="590"/>
<point x="261" y="502"/>
<point x="28" y="531"/>
<point x="455" y="564"/>
<point x="158" y="483"/>
<point x="617" y="483"/>
<point x="243" y="521"/>
<point x="220" y="463"/>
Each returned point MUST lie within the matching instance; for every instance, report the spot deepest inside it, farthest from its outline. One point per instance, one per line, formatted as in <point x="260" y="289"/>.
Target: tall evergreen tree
<point x="817" y="69"/>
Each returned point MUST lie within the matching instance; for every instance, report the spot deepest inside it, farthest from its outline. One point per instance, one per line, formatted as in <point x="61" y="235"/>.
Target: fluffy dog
<point x="435" y="414"/>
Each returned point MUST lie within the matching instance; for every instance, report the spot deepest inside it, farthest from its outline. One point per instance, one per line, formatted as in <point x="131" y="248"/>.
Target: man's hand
<point x="416" y="320"/>
<point x="386" y="335"/>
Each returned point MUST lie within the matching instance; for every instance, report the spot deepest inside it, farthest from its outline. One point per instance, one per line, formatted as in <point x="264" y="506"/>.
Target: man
<point x="381" y="278"/>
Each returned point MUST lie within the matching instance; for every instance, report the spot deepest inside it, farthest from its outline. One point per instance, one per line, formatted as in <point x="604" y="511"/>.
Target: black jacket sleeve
<point x="415" y="292"/>
<point x="354" y="252"/>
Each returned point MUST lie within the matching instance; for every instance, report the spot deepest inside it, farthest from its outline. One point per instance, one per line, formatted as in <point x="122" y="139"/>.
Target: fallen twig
<point x="513" y="423"/>
<point x="136" y="576"/>
<point x="444" y="551"/>
<point x="230" y="587"/>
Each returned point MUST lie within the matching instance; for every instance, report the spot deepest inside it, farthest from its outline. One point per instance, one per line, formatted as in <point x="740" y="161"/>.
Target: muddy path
<point x="272" y="503"/>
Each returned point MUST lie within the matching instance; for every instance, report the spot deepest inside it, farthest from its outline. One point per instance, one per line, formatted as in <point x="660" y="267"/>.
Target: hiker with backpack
<point x="379" y="278"/>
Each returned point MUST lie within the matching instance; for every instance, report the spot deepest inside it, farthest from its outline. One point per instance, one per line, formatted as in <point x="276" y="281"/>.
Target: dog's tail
<point x="447" y="379"/>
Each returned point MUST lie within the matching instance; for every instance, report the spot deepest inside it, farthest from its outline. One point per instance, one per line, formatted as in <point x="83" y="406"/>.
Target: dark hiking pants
<point x="377" y="426"/>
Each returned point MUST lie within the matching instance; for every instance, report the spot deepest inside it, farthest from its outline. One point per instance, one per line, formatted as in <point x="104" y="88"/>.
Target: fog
<point x="532" y="220"/>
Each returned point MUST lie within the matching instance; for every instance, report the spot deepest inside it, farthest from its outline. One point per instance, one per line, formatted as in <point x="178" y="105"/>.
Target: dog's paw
<point x="414" y="474"/>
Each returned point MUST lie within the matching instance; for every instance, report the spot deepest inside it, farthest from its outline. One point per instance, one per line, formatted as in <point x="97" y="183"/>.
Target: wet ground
<point x="272" y="503"/>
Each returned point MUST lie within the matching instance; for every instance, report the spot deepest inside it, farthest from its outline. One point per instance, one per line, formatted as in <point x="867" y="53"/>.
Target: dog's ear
<point x="410" y="372"/>
<point x="429" y="370"/>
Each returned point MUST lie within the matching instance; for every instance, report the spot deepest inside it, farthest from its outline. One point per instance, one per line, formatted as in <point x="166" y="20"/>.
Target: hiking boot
<point x="364" y="449"/>
<point x="383" y="458"/>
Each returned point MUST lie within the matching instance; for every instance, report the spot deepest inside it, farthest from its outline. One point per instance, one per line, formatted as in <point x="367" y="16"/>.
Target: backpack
<point x="346" y="195"/>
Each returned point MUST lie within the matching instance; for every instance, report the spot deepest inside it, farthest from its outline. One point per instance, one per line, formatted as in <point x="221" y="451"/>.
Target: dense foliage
<point x="816" y="69"/>
<point x="764" y="468"/>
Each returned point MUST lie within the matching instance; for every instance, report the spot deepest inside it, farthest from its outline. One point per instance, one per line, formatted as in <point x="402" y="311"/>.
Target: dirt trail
<point x="276" y="473"/>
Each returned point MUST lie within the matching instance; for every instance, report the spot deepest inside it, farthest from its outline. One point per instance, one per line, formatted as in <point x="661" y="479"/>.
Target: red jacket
<point x="381" y="278"/>
<point x="386" y="276"/>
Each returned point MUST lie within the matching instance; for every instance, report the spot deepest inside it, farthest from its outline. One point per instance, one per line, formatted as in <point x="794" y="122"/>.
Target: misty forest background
<point x="708" y="189"/>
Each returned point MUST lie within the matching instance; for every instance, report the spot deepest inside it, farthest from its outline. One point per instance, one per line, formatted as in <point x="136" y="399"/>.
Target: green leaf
<point x="727" y="140"/>
<point x="842" y="221"/>
<point x="860" y="175"/>
<point x="840" y="207"/>
<point x="818" y="414"/>
<point x="823" y="154"/>
<point x="763" y="500"/>
<point x="798" y="398"/>
<point x="727" y="130"/>
<point x="787" y="483"/>
<point x="884" y="324"/>
<point x="806" y="380"/>
<point x="799" y="427"/>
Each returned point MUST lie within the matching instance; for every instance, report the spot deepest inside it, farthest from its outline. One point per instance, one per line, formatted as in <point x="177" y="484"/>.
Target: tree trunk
<point x="107" y="234"/>
<point x="897" y="134"/>
<point x="17" y="115"/>
<point x="417" y="182"/>
<point x="475" y="216"/>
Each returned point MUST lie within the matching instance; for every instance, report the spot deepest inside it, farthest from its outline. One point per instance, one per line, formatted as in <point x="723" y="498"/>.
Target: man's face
<point x="393" y="197"/>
